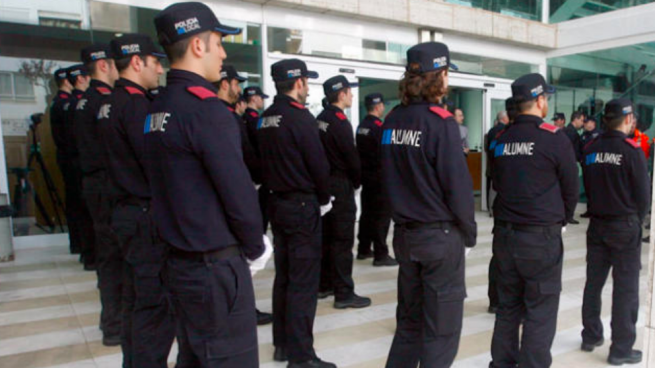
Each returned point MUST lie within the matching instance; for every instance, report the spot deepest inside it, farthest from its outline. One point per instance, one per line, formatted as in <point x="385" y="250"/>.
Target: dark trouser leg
<point x="84" y="220"/>
<point x="539" y="261"/>
<point x="505" y="341"/>
<point x="381" y="223"/>
<point x="263" y="194"/>
<point x="297" y="228"/>
<point x="327" y="264"/>
<point x="492" y="291"/>
<point x="598" y="267"/>
<point x="407" y="341"/>
<point x="110" y="267"/>
<point x="626" y="265"/>
<point x="343" y="237"/>
<point x="72" y="208"/>
<point x="215" y="303"/>
<point x="366" y="221"/>
<point x="127" y="313"/>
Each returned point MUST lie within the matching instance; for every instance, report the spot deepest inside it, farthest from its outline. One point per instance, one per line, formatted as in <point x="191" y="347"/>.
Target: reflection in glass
<point x="527" y="9"/>
<point x="562" y="10"/>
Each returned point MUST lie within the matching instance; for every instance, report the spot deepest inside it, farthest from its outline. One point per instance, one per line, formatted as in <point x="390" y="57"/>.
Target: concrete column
<point x="6" y="232"/>
<point x="649" y="329"/>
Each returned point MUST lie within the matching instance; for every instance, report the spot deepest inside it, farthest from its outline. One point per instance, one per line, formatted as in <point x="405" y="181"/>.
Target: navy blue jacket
<point x="89" y="144"/>
<point x="122" y="135"/>
<point x="251" y="118"/>
<point x="616" y="177"/>
<point x="249" y="156"/>
<point x="423" y="169"/>
<point x="293" y="159"/>
<point x="535" y="174"/>
<point x="59" y="121"/>
<point x="202" y="195"/>
<point x="336" y="134"/>
<point x="575" y="139"/>
<point x="369" y="135"/>
<point x="69" y="129"/>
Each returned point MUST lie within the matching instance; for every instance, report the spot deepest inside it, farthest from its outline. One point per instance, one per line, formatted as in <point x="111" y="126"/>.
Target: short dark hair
<point x="613" y="121"/>
<point x="250" y="98"/>
<point x="285" y="86"/>
<point x="177" y="50"/>
<point x="218" y="83"/>
<point x="92" y="67"/>
<point x="60" y="82"/>
<point x="523" y="106"/>
<point x="334" y="96"/>
<point x="577" y="115"/>
<point x="124" y="63"/>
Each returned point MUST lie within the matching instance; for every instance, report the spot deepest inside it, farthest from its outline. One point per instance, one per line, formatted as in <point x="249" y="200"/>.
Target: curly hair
<point x="417" y="86"/>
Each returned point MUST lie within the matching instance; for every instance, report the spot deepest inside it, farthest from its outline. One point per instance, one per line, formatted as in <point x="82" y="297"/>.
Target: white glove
<point x="327" y="208"/>
<point x="260" y="263"/>
<point x="563" y="229"/>
<point x="358" y="191"/>
<point x="257" y="186"/>
<point x="467" y="251"/>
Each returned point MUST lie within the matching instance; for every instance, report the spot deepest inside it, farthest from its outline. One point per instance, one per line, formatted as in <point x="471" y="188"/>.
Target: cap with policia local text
<point x="95" y="52"/>
<point x="228" y="72"/>
<point x="618" y="107"/>
<point x="183" y="20"/>
<point x="74" y="71"/>
<point x="373" y="99"/>
<point x="254" y="91"/>
<point x="336" y="84"/>
<point x="559" y="116"/>
<point x="134" y="44"/>
<point x="530" y="86"/>
<point x="430" y="56"/>
<point x="60" y="74"/>
<point x="291" y="69"/>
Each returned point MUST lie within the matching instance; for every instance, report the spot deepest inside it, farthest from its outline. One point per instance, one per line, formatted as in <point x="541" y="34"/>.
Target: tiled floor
<point x="49" y="313"/>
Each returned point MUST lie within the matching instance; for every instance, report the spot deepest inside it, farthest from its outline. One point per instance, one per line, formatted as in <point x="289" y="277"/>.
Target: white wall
<point x="27" y="11"/>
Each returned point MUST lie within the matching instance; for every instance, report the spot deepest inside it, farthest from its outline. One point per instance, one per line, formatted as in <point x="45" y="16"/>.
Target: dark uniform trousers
<point x="78" y="217"/>
<point x="339" y="239"/>
<point x="214" y="305"/>
<point x="529" y="265"/>
<point x="431" y="293"/>
<point x="148" y="327"/>
<point x="263" y="193"/>
<point x="296" y="222"/>
<point x="492" y="291"/>
<point x="108" y="252"/>
<point x="613" y="244"/>
<point x="374" y="221"/>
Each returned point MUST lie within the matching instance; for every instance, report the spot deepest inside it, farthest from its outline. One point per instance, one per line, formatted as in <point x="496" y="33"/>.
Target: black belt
<point x="295" y="195"/>
<point x="214" y="255"/>
<point x="134" y="201"/>
<point x="427" y="225"/>
<point x="557" y="228"/>
<point x="616" y="218"/>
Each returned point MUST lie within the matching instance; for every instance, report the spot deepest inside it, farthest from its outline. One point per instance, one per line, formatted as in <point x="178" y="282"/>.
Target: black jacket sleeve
<point x="640" y="183"/>
<point x="455" y="180"/>
<point x="567" y="174"/>
<point x="310" y="145"/>
<point x="346" y="141"/>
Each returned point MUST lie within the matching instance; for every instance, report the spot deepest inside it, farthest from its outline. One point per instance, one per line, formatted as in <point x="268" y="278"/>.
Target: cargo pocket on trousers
<point x="148" y="286"/>
<point x="450" y="311"/>
<point x="430" y="244"/>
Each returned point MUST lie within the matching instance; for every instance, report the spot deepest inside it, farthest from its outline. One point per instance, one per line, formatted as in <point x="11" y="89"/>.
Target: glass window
<point x="6" y="85"/>
<point x="23" y="87"/>
<point x="482" y="65"/>
<point x="527" y="9"/>
<point x="562" y="10"/>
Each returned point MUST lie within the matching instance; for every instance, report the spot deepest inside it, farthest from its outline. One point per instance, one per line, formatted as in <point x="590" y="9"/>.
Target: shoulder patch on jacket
<point x="340" y="115"/>
<point x="201" y="92"/>
<point x="134" y="91"/>
<point x="103" y="90"/>
<point x="549" y="127"/>
<point x="297" y="105"/>
<point x="592" y="142"/>
<point x="254" y="114"/>
<point x="443" y="113"/>
<point x="631" y="142"/>
<point x="63" y="95"/>
<point x="378" y="123"/>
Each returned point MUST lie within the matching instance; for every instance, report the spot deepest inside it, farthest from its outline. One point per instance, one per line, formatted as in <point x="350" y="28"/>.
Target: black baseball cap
<point x="60" y="74"/>
<point x="228" y="72"/>
<point x="559" y="116"/>
<point x="291" y="69"/>
<point x="619" y="107"/>
<point x="95" y="52"/>
<point x="430" y="56"/>
<point x="254" y="91"/>
<point x="336" y="84"/>
<point x="74" y="71"/>
<point x="183" y="20"/>
<point x="241" y="98"/>
<point x="373" y="99"/>
<point x="134" y="44"/>
<point x="530" y="86"/>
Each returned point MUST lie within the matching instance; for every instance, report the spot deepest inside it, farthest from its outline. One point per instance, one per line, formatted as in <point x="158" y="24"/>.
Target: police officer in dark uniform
<point x="296" y="171"/>
<point x="492" y="292"/>
<point x="76" y="207"/>
<point x="345" y="177"/>
<point x="255" y="100"/>
<point x="203" y="202"/>
<point x="590" y="133"/>
<point x="58" y="121"/>
<point x="229" y="91"/>
<point x="98" y="60"/>
<point x="148" y="330"/>
<point x="536" y="177"/>
<point x="618" y="189"/>
<point x="431" y="193"/>
<point x="375" y="218"/>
